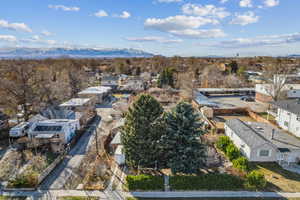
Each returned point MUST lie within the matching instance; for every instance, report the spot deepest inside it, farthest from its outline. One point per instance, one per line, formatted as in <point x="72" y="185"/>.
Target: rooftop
<point x="95" y="90"/>
<point x="255" y="134"/>
<point x="117" y="139"/>
<point x="75" y="102"/>
<point x="292" y="105"/>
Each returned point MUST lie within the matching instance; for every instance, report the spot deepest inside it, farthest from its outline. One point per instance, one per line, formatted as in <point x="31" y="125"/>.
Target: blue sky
<point x="166" y="27"/>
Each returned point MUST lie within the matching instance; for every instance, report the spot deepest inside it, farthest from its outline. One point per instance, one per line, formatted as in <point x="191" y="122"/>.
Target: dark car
<point x="247" y="98"/>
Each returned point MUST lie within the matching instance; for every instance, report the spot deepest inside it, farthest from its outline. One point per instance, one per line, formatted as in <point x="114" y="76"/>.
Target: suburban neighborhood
<point x="149" y="100"/>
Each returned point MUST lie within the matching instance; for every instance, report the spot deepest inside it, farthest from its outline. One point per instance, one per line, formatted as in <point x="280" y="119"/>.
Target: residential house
<point x="110" y="81"/>
<point x="55" y="132"/>
<point x="262" y="142"/>
<point x="265" y="92"/>
<point x="83" y="107"/>
<point x="288" y="115"/>
<point x="133" y="84"/>
<point x="97" y="94"/>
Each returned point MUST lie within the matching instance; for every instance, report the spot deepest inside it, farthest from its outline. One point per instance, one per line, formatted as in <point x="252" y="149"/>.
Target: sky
<point x="165" y="27"/>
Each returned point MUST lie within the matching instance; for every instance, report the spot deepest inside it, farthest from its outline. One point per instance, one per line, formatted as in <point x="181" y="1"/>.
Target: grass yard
<point x="278" y="178"/>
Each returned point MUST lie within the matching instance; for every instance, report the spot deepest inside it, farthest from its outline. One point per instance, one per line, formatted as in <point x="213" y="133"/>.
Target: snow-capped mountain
<point x="40" y="53"/>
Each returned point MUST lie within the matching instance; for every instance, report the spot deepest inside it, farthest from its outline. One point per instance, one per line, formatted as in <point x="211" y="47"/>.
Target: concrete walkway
<point x="203" y="194"/>
<point x="52" y="194"/>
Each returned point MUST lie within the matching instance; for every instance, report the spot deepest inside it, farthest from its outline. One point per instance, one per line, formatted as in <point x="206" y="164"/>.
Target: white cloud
<point x="178" y="22"/>
<point x="271" y="3"/>
<point x="223" y="1"/>
<point x="207" y="10"/>
<point x="245" y="18"/>
<point x="37" y="39"/>
<point x="246" y="3"/>
<point x="153" y="39"/>
<point x="8" y="38"/>
<point x="46" y="33"/>
<point x="168" y="1"/>
<point x="125" y="15"/>
<point x="185" y="26"/>
<point x="199" y="33"/>
<point x="14" y="26"/>
<point x="101" y="13"/>
<point x="64" y="8"/>
<point x="272" y="40"/>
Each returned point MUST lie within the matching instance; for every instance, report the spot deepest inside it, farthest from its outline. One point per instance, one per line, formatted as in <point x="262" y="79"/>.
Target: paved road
<point x="59" y="176"/>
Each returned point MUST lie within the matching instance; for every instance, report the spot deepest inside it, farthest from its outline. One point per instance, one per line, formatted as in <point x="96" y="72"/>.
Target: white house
<point x="262" y="142"/>
<point x="84" y="109"/>
<point x="264" y="92"/>
<point x="56" y="132"/>
<point x="97" y="93"/>
<point x="288" y="115"/>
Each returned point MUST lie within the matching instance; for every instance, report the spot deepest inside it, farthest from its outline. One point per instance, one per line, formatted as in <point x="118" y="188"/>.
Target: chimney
<point x="273" y="133"/>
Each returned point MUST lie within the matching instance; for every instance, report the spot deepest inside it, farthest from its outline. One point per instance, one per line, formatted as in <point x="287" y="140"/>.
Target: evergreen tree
<point x="181" y="145"/>
<point x="139" y="134"/>
<point x="166" y="77"/>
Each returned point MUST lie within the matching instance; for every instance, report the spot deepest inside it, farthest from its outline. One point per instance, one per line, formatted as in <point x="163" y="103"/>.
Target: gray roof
<point x="203" y="100"/>
<point x="255" y="134"/>
<point x="245" y="132"/>
<point x="291" y="105"/>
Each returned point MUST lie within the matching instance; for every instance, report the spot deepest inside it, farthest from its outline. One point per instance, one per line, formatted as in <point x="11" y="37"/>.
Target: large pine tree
<point x="139" y="134"/>
<point x="181" y="146"/>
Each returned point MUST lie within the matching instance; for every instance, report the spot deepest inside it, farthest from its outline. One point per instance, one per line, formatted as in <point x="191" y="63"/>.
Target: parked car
<point x="247" y="98"/>
<point x="19" y="130"/>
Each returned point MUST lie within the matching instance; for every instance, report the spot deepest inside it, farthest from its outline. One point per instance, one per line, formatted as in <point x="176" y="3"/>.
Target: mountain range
<point x="40" y="53"/>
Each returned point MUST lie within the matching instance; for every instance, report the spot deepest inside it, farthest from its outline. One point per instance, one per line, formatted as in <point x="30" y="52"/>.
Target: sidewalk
<point x="184" y="194"/>
<point x="202" y="194"/>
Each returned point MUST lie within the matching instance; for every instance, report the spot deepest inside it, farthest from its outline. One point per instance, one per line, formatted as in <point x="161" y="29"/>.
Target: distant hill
<point x="39" y="53"/>
<point x="294" y="55"/>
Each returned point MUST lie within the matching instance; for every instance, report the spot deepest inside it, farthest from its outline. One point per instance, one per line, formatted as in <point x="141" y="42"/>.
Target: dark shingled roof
<point x="292" y="105"/>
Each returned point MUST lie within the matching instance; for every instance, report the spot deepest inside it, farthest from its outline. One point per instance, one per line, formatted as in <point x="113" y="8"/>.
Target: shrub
<point x="232" y="152"/>
<point x="256" y="179"/>
<point x="206" y="182"/>
<point x="241" y="163"/>
<point x="223" y="142"/>
<point x="145" y="182"/>
<point x="27" y="180"/>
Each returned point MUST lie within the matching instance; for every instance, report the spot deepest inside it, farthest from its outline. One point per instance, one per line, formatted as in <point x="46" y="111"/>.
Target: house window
<point x="264" y="153"/>
<point x="286" y="124"/>
<point x="298" y="117"/>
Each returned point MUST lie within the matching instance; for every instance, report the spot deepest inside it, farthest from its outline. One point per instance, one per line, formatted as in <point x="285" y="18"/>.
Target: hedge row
<point x="145" y="182"/>
<point x="207" y="182"/>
